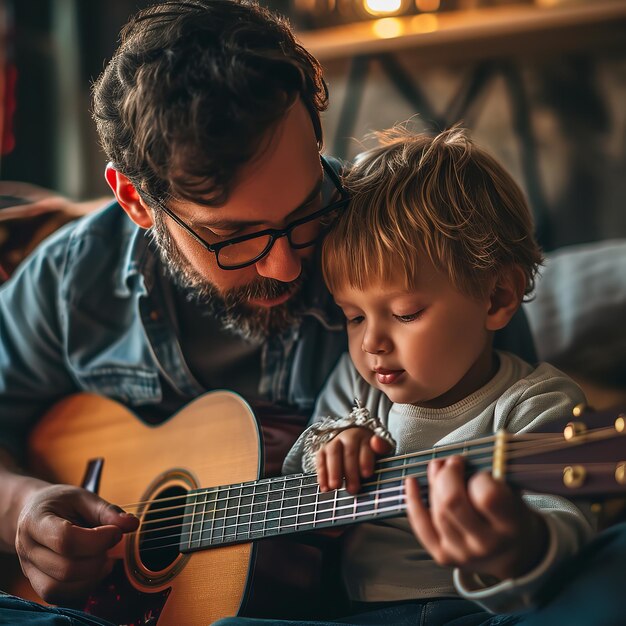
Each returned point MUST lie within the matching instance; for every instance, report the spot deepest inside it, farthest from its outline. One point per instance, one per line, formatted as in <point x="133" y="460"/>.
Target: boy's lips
<point x="387" y="377"/>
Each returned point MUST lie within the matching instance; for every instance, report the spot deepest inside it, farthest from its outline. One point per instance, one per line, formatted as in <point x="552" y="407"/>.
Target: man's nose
<point x="282" y="263"/>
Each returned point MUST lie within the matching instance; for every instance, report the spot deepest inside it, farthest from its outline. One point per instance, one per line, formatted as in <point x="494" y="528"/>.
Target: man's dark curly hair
<point x="192" y="91"/>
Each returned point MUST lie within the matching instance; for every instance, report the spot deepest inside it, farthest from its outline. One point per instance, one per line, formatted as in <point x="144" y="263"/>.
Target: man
<point x="202" y="275"/>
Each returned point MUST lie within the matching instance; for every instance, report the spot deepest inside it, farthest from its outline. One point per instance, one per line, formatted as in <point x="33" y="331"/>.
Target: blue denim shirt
<point x="88" y="311"/>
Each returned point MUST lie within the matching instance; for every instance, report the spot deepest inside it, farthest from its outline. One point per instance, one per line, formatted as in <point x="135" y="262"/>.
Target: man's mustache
<point x="261" y="289"/>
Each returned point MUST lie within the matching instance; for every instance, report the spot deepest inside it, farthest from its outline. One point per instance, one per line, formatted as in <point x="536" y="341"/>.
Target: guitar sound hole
<point x="161" y="529"/>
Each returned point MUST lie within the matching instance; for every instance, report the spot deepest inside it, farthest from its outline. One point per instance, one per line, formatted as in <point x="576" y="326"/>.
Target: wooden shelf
<point x="507" y="29"/>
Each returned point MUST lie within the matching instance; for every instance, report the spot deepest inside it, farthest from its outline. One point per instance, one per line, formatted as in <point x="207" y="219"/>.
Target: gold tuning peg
<point x="574" y="430"/>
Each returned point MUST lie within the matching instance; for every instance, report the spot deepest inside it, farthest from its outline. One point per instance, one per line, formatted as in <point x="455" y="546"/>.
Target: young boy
<point x="435" y="253"/>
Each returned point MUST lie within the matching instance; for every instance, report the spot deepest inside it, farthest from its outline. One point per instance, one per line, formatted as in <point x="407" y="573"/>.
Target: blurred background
<point x="540" y="83"/>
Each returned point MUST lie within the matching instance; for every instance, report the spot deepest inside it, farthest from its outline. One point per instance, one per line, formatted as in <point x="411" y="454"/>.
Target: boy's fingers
<point x="351" y="467"/>
<point x="380" y="445"/>
<point x="419" y="517"/>
<point x="366" y="461"/>
<point x="322" y="474"/>
<point x="334" y="463"/>
<point x="453" y="510"/>
<point x="494" y="501"/>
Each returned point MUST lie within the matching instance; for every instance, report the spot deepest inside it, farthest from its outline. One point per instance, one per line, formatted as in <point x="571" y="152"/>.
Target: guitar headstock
<point x="582" y="457"/>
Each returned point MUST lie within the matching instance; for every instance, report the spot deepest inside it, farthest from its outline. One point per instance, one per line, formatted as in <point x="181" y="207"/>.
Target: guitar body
<point x="212" y="441"/>
<point x="192" y="561"/>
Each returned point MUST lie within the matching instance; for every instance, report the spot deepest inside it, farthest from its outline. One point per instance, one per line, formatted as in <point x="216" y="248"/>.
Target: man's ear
<point x="128" y="198"/>
<point x="506" y="297"/>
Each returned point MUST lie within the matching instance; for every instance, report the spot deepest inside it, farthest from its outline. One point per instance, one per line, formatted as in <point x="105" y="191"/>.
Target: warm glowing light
<point x="428" y="5"/>
<point x="425" y="23"/>
<point x="382" y="7"/>
<point x="387" y="28"/>
<point x="305" y="5"/>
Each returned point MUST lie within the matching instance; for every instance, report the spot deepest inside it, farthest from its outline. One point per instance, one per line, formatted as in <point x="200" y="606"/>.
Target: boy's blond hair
<point x="442" y="197"/>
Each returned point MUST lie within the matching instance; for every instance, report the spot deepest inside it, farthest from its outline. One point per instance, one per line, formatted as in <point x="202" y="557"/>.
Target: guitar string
<point x="383" y="461"/>
<point x="462" y="446"/>
<point x="300" y="478"/>
<point x="561" y="444"/>
<point x="312" y="485"/>
<point x="512" y="447"/>
<point x="317" y="523"/>
<point x="237" y="537"/>
<point x="294" y="478"/>
<point x="525" y="469"/>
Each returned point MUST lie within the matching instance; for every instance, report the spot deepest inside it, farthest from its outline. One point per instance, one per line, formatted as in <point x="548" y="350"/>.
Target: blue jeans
<point x="588" y="590"/>
<point x="446" y="611"/>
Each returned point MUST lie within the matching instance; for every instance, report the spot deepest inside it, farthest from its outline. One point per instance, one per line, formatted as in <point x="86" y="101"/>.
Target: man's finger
<point x="64" y="569"/>
<point x="70" y="540"/>
<point x="98" y="512"/>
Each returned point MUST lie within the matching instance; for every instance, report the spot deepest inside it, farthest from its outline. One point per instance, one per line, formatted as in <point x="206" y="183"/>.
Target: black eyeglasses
<point x="240" y="252"/>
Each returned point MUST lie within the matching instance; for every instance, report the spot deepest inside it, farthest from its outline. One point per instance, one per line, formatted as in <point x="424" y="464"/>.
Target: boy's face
<point x="429" y="346"/>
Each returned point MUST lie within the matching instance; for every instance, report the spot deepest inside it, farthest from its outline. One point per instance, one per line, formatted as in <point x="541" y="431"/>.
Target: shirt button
<point x="154" y="316"/>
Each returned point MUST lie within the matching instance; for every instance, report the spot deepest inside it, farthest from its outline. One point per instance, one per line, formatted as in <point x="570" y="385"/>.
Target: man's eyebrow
<point x="226" y="224"/>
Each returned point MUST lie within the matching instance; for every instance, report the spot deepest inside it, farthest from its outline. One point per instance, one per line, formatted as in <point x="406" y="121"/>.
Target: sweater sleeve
<point x="533" y="402"/>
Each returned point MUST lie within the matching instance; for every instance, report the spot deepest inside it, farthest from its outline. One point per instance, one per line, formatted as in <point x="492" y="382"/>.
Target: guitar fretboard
<point x="288" y="504"/>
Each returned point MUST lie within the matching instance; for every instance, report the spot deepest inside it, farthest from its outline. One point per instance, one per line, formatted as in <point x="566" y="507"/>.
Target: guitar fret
<point x="274" y="504"/>
<point x="222" y="506"/>
<point x="298" y="503"/>
<point x="235" y="526"/>
<point x="267" y="499"/>
<point x="198" y="541"/>
<point x="258" y="510"/>
<point x="307" y="510"/>
<point x="244" y="515"/>
<point x="213" y="493"/>
<point x="281" y="514"/>
<point x="377" y="492"/>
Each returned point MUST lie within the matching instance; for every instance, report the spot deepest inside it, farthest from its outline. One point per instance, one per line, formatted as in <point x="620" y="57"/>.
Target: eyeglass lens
<point x="300" y="236"/>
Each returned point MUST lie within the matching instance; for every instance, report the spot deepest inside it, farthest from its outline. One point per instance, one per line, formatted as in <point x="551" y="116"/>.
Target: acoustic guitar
<point x="194" y="483"/>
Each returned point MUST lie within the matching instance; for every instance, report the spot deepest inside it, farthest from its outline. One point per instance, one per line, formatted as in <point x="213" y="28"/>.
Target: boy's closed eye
<point x="357" y="319"/>
<point x="410" y="317"/>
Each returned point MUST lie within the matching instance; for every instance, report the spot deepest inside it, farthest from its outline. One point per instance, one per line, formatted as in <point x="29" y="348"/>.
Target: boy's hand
<point x="480" y="526"/>
<point x="350" y="455"/>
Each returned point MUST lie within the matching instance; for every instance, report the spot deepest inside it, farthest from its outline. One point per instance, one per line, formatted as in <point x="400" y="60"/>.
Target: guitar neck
<point x="579" y="466"/>
<point x="288" y="504"/>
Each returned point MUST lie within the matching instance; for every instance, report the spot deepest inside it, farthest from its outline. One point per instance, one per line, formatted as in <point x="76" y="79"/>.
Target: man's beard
<point x="232" y="307"/>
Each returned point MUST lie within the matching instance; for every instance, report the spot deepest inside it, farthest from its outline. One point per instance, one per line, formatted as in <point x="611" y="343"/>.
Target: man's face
<point x="278" y="186"/>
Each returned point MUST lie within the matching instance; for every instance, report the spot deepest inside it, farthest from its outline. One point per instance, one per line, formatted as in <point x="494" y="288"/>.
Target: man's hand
<point x="63" y="535"/>
<point x="350" y="455"/>
<point x="481" y="526"/>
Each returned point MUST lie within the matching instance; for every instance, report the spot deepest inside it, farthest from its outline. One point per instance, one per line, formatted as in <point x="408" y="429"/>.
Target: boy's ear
<point x="128" y="198"/>
<point x="506" y="297"/>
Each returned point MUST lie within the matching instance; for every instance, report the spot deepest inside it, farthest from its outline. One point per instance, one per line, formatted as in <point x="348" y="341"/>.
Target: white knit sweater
<point x="383" y="561"/>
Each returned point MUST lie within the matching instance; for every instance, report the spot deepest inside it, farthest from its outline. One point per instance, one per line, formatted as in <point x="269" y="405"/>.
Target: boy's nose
<point x="375" y="342"/>
<point x="282" y="263"/>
